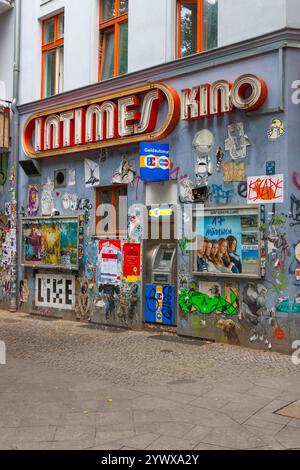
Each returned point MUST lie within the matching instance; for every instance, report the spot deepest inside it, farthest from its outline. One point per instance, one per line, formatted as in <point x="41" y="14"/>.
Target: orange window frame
<point x="52" y="46"/>
<point x="105" y="27"/>
<point x="200" y="24"/>
<point x="115" y="190"/>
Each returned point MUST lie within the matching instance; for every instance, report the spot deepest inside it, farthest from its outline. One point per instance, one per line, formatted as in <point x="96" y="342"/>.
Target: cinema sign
<point x="131" y="116"/>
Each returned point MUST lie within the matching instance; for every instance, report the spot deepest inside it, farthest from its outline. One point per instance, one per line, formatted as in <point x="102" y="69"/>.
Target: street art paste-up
<point x="23" y="292"/>
<point x="255" y="314"/>
<point x="234" y="172"/>
<point x="295" y="211"/>
<point x="135" y="225"/>
<point x="69" y="202"/>
<point x="265" y="189"/>
<point x="237" y="141"/>
<point x="127" y="303"/>
<point x="202" y="144"/>
<point x="33" y="201"/>
<point x="195" y="301"/>
<point x="83" y="304"/>
<point x="125" y="173"/>
<point x="220" y="157"/>
<point x="297" y="252"/>
<point x="55" y="291"/>
<point x="276" y="130"/>
<point x="108" y="298"/>
<point x="186" y="187"/>
<point x="229" y="328"/>
<point x="72" y="177"/>
<point x="91" y="173"/>
<point x="47" y="202"/>
<point x="109" y="257"/>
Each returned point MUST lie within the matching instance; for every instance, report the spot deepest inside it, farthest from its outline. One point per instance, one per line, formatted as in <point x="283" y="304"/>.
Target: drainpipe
<point x="15" y="158"/>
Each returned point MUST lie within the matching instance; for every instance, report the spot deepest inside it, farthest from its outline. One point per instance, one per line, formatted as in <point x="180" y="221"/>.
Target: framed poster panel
<point x="227" y="242"/>
<point x="50" y="242"/>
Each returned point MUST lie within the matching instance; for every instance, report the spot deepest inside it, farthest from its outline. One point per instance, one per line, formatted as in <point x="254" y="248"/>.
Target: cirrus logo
<point x="164" y="163"/>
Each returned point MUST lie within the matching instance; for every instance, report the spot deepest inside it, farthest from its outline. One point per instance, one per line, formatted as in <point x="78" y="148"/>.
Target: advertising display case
<point x="50" y="242"/>
<point x="228" y="242"/>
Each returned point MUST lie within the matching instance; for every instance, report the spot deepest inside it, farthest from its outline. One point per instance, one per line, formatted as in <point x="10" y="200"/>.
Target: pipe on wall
<point x="15" y="156"/>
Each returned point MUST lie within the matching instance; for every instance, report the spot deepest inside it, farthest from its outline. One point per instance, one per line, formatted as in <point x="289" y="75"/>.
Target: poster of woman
<point x="227" y="243"/>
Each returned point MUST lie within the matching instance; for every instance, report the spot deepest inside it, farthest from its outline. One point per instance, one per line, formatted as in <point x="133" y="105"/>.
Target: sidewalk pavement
<point x="48" y="404"/>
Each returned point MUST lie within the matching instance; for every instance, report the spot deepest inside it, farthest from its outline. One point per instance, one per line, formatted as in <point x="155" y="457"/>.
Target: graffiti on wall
<point x="195" y="301"/>
<point x="55" y="291"/>
<point x="220" y="195"/>
<point x="255" y="314"/>
<point x="265" y="189"/>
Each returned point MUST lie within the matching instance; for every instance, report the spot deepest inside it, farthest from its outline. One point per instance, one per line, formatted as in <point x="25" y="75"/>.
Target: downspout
<point x="15" y="158"/>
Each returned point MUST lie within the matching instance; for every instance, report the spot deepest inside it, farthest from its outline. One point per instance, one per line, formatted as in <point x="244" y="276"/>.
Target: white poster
<point x="265" y="189"/>
<point x="55" y="291"/>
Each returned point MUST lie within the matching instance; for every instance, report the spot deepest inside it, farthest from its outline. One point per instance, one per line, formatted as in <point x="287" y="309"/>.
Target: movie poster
<point x="227" y="243"/>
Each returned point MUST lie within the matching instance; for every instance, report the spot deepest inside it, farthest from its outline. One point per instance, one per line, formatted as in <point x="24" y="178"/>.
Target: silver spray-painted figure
<point x="202" y="144"/>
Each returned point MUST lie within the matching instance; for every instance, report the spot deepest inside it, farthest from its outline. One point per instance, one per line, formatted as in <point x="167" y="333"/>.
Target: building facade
<point x="158" y="178"/>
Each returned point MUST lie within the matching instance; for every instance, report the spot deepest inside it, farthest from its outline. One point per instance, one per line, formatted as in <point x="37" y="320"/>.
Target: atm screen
<point x="167" y="256"/>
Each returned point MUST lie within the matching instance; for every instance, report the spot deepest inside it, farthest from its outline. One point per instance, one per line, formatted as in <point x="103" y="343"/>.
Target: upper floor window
<point x="197" y="26"/>
<point x="113" y="38"/>
<point x="53" y="55"/>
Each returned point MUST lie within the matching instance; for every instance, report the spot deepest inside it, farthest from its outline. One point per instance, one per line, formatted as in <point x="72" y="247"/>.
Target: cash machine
<point x="160" y="276"/>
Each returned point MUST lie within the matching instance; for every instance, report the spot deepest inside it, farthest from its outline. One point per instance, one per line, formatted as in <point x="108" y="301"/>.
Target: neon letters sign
<point x="131" y="116"/>
<point x="123" y="118"/>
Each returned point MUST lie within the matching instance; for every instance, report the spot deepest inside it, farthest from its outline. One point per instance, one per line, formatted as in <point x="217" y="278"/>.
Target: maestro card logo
<point x="154" y="162"/>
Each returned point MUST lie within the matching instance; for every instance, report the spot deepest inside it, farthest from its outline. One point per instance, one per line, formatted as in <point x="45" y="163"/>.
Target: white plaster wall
<point x="151" y="33"/>
<point x="6" y="55"/>
<point x="293" y="13"/>
<point x="81" y="44"/>
<point x="244" y="19"/>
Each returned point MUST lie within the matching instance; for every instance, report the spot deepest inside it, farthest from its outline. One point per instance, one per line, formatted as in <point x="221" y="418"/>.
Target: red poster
<point x="132" y="259"/>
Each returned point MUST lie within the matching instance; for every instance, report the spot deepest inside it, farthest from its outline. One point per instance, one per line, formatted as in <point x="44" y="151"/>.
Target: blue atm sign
<point x="154" y="162"/>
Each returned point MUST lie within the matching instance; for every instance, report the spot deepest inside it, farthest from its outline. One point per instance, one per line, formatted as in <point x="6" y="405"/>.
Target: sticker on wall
<point x="220" y="157"/>
<point x="297" y="274"/>
<point x="186" y="187"/>
<point x="202" y="144"/>
<point x="131" y="261"/>
<point x="265" y="189"/>
<point x="55" y="291"/>
<point x="234" y="172"/>
<point x="237" y="142"/>
<point x="110" y="255"/>
<point x="125" y="174"/>
<point x="69" y="202"/>
<point x="72" y="177"/>
<point x="47" y="203"/>
<point x="24" y="292"/>
<point x="279" y="333"/>
<point x="91" y="173"/>
<point x="32" y="201"/>
<point x="276" y="130"/>
<point x="271" y="168"/>
<point x="297" y="251"/>
<point x="154" y="162"/>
